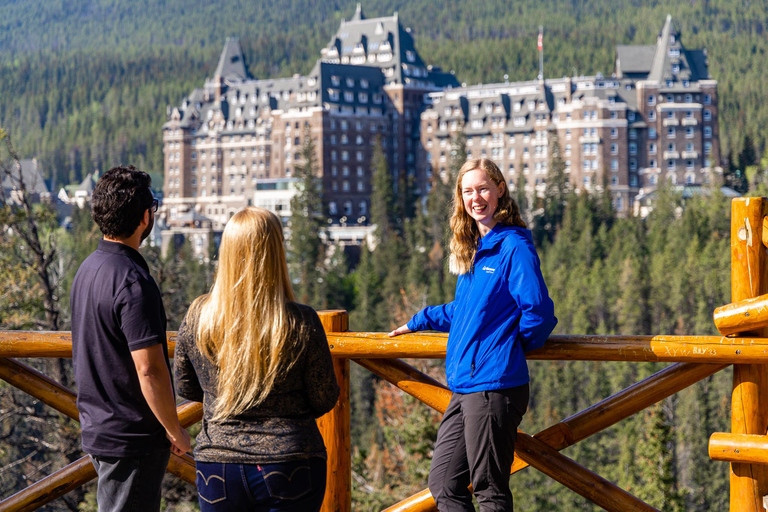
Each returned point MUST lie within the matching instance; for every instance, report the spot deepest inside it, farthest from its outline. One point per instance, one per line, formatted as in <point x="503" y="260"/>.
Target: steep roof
<point x="671" y="60"/>
<point x="231" y="65"/>
<point x="383" y="43"/>
<point x="667" y="61"/>
<point x="30" y="173"/>
<point x="634" y="59"/>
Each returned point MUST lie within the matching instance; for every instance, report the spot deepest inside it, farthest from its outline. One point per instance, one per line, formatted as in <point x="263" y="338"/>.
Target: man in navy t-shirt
<point x="124" y="390"/>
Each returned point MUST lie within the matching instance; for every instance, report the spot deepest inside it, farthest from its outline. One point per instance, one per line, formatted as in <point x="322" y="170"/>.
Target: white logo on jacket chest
<point x="489" y="270"/>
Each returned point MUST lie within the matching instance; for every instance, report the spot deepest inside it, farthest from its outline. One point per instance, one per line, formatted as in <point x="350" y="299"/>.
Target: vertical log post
<point x="335" y="427"/>
<point x="749" y="403"/>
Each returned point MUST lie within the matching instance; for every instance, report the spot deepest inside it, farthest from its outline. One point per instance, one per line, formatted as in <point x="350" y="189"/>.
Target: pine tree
<point x="305" y="242"/>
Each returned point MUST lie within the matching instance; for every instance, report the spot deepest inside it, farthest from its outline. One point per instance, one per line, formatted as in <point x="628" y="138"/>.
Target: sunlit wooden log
<point x="335" y="427"/>
<point x="580" y="480"/>
<point x="576" y="477"/>
<point x="63" y="400"/>
<point x="661" y="348"/>
<point x="36" y="384"/>
<point x="51" y="487"/>
<point x="183" y="467"/>
<point x="749" y="403"/>
<point x="747" y="448"/>
<point x="745" y="315"/>
<point x="48" y="343"/>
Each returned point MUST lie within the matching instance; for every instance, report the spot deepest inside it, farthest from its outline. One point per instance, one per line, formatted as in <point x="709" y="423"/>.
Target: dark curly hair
<point x="120" y="199"/>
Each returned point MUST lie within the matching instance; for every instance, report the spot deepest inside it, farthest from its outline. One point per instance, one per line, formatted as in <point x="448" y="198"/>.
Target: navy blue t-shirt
<point x="116" y="309"/>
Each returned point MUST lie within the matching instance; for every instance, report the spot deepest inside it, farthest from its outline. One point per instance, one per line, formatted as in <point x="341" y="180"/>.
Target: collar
<point x="124" y="250"/>
<point x="494" y="236"/>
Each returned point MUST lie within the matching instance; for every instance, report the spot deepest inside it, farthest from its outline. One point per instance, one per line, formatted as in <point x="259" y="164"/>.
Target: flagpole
<point x="541" y="52"/>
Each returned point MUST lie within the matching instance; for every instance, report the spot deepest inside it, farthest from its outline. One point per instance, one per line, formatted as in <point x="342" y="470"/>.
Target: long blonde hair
<point x="244" y="327"/>
<point x="465" y="233"/>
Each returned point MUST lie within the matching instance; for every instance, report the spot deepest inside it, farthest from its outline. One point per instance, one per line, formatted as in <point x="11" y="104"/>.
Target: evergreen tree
<point x="305" y="246"/>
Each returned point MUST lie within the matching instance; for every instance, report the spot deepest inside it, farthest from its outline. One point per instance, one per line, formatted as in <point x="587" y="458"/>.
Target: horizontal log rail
<point x="742" y="316"/>
<point x="697" y="356"/>
<point x="750" y="448"/>
<point x="659" y="348"/>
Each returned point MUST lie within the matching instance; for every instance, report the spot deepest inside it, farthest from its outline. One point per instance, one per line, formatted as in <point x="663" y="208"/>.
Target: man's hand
<point x="403" y="329"/>
<point x="180" y="442"/>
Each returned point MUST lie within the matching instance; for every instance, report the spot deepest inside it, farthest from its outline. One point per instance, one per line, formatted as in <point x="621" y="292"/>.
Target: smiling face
<point x="481" y="198"/>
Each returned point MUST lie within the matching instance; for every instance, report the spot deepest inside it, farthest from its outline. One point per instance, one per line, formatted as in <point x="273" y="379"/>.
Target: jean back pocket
<point x="288" y="481"/>
<point x="211" y="482"/>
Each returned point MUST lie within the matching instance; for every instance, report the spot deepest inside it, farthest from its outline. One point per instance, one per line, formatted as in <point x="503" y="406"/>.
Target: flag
<point x="541" y="37"/>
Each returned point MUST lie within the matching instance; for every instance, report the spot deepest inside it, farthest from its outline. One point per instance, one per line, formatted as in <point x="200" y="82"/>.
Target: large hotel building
<point x="237" y="140"/>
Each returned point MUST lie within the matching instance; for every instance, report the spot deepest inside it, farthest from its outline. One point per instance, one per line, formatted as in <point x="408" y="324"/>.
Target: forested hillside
<point x="86" y="84"/>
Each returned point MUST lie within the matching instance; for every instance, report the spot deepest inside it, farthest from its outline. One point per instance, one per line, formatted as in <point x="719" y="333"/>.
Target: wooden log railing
<point x="744" y="344"/>
<point x="697" y="356"/>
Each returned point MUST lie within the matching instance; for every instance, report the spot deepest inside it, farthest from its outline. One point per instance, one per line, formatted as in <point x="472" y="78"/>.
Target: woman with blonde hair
<point x="501" y="310"/>
<point x="260" y="364"/>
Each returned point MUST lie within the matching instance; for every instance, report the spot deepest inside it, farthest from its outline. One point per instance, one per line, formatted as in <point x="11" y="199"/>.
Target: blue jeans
<point x="295" y="486"/>
<point x="127" y="484"/>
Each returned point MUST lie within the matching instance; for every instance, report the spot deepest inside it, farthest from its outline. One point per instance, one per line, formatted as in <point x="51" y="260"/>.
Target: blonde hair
<point x="465" y="233"/>
<point x="244" y="327"/>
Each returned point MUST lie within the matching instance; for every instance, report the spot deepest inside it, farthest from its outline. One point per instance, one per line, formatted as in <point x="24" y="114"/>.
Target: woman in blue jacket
<point x="501" y="310"/>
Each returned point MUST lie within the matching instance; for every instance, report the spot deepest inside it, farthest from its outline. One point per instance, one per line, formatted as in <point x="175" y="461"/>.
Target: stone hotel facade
<point x="234" y="138"/>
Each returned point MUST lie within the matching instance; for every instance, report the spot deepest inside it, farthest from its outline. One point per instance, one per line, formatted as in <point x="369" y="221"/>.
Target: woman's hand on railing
<point x="403" y="329"/>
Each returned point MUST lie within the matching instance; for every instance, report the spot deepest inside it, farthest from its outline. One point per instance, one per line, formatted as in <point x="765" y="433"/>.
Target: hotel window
<point x="614" y="149"/>
<point x="707" y="148"/>
<point x="707" y="115"/>
<point x="688" y="98"/>
<point x="614" y="133"/>
<point x="707" y="132"/>
<point x="689" y="132"/>
<point x="630" y="116"/>
<point x="707" y="99"/>
<point x="632" y="148"/>
<point x="652" y="115"/>
<point x="614" y="180"/>
<point x="633" y="165"/>
<point x="671" y="132"/>
<point x="633" y="181"/>
<point x="651" y="99"/>
<point x="614" y="165"/>
<point x="651" y="133"/>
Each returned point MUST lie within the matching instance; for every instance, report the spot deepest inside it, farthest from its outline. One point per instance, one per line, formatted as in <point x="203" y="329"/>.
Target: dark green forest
<point x="85" y="86"/>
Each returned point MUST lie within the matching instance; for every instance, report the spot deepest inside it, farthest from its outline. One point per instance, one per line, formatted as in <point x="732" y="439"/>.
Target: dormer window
<point x="410" y="56"/>
<point x="675" y="68"/>
<point x="363" y="83"/>
<point x="350" y="82"/>
<point x="674" y="52"/>
<point x="335" y="80"/>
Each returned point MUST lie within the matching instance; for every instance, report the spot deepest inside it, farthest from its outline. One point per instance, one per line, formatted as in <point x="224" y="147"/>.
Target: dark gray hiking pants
<point x="476" y="444"/>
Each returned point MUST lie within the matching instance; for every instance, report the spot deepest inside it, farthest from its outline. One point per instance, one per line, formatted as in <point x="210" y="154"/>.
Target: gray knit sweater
<point x="282" y="427"/>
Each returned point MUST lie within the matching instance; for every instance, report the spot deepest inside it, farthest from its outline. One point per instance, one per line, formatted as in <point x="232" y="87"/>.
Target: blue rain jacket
<point x="501" y="310"/>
